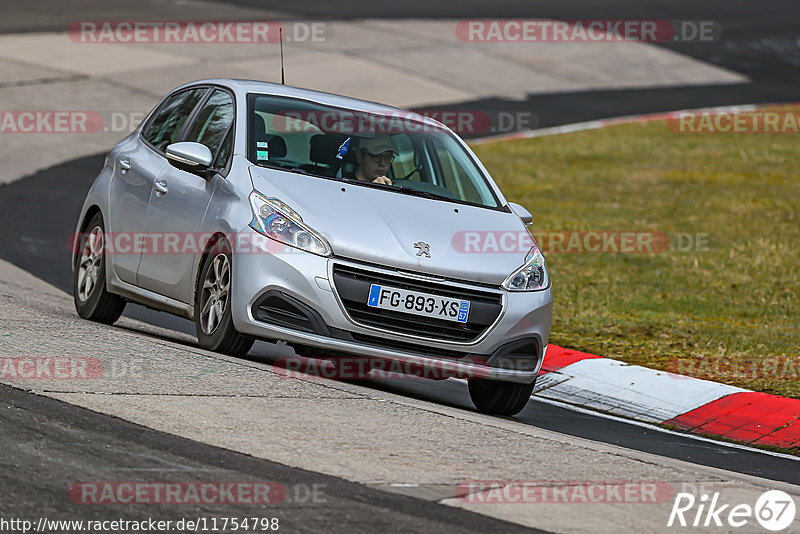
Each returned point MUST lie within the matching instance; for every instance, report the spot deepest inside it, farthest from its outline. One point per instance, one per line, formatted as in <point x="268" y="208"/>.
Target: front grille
<point x="352" y="285"/>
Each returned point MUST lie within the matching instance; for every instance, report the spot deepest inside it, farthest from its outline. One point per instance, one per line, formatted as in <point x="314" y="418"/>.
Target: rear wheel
<point x="92" y="300"/>
<point x="499" y="398"/>
<point x="212" y="308"/>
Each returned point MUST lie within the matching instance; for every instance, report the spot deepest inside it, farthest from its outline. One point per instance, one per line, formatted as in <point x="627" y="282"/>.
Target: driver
<point x="374" y="157"/>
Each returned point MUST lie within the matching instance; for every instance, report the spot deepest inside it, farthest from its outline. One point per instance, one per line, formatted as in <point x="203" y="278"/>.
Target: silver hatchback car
<point x="341" y="226"/>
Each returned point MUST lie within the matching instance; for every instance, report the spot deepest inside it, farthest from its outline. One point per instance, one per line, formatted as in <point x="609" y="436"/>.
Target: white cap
<point x="378" y="145"/>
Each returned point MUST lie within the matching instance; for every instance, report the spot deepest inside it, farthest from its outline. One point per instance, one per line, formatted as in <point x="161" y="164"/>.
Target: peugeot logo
<point x="424" y="249"/>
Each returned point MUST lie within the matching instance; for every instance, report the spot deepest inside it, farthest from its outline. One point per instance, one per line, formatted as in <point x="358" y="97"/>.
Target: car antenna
<point x="280" y="31"/>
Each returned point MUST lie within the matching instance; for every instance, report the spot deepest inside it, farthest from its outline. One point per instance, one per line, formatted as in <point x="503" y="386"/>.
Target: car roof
<point x="321" y="97"/>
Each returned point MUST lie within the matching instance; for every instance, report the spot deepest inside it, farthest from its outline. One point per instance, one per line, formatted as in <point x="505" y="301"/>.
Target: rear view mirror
<point x="521" y="212"/>
<point x="191" y="157"/>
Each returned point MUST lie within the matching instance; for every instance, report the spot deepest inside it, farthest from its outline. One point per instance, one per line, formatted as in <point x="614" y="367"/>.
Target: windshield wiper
<point x="409" y="191"/>
<point x="303" y="171"/>
<point x="289" y="168"/>
<point x="367" y="184"/>
<point x="273" y="166"/>
<point x="428" y="194"/>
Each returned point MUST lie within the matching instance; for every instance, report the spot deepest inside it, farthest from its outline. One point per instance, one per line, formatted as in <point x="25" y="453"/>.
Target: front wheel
<point x="92" y="300"/>
<point x="499" y="398"/>
<point x="212" y="308"/>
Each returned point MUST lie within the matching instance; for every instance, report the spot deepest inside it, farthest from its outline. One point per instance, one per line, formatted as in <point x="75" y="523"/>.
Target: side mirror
<point x="521" y="212"/>
<point x="191" y="157"/>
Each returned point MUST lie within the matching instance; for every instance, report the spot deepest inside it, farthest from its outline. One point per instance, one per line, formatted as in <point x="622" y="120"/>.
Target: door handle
<point x="124" y="165"/>
<point x="161" y="187"/>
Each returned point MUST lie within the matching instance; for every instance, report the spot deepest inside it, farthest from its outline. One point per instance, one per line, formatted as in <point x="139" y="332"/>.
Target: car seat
<point x="268" y="147"/>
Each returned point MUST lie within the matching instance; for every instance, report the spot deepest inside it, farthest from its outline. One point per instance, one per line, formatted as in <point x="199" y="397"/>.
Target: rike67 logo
<point x="774" y="510"/>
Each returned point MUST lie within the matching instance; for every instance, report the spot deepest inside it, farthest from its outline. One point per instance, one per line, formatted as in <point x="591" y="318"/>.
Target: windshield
<point x="393" y="150"/>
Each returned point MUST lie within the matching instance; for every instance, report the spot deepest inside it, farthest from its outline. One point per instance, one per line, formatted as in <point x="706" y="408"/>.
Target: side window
<point x="455" y="178"/>
<point x="404" y="163"/>
<point x="225" y="150"/>
<point x="213" y="122"/>
<point x="166" y="126"/>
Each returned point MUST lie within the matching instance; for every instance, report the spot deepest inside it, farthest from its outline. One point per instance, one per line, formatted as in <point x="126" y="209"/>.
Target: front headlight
<point x="275" y="219"/>
<point x="532" y="276"/>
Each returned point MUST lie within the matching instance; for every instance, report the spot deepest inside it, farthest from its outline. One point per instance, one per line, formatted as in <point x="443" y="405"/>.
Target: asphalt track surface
<point x="38" y="214"/>
<point x="36" y="470"/>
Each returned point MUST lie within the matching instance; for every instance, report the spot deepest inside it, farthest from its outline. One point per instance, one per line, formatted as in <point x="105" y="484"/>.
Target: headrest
<point x="275" y="143"/>
<point x="325" y="147"/>
<point x="276" y="146"/>
<point x="259" y="128"/>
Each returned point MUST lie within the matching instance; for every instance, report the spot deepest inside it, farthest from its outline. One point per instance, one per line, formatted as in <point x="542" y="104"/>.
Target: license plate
<point x="417" y="303"/>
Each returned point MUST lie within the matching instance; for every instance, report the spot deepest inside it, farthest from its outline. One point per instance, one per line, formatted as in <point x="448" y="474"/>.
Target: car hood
<point x="382" y="227"/>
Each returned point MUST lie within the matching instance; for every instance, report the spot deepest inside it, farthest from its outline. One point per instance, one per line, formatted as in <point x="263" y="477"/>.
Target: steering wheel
<point x="407" y="176"/>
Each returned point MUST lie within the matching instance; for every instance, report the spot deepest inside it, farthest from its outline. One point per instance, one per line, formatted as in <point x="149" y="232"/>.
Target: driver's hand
<point x="385" y="180"/>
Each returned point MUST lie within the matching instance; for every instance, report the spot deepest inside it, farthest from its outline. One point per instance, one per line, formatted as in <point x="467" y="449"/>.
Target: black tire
<point x="217" y="334"/>
<point x="499" y="398"/>
<point x="92" y="300"/>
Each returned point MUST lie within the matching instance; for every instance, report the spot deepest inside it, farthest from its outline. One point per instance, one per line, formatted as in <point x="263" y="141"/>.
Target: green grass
<point x="730" y="313"/>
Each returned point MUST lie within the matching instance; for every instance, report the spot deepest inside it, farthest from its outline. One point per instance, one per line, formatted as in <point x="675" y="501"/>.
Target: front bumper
<point x="511" y="349"/>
